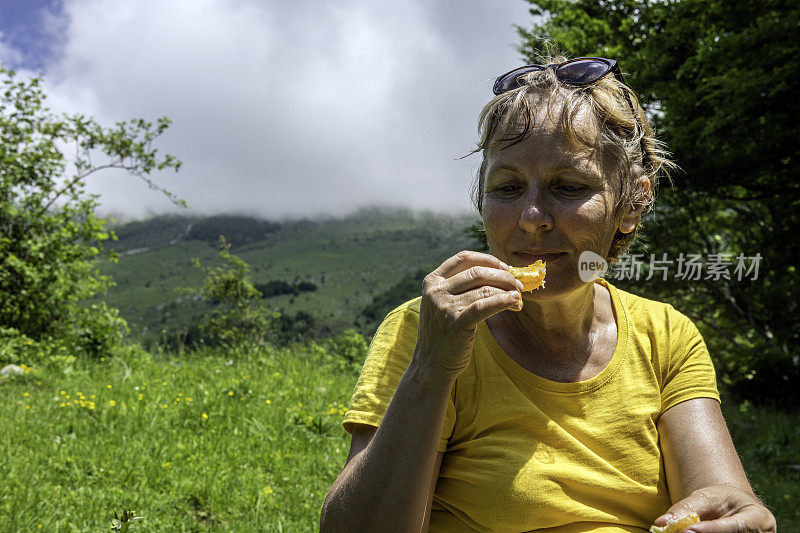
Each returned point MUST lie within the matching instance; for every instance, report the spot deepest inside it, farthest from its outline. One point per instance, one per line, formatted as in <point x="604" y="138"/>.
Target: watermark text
<point x="689" y="267"/>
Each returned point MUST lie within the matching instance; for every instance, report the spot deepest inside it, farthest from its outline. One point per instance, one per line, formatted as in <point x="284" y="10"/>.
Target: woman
<point x="577" y="406"/>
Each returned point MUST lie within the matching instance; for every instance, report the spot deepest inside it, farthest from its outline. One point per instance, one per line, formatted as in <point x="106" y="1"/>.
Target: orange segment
<point x="531" y="276"/>
<point x="676" y="525"/>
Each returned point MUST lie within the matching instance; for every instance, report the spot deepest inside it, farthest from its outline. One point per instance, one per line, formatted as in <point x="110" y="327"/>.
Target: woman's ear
<point x="639" y="200"/>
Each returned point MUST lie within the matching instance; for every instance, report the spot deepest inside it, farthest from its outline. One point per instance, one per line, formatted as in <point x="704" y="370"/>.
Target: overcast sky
<point x="280" y="108"/>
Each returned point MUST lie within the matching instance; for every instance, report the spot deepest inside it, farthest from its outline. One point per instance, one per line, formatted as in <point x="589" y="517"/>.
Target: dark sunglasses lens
<point x="512" y="79"/>
<point x="582" y="71"/>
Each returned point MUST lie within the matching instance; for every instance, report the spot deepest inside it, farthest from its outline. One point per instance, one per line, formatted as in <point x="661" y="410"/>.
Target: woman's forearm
<point x="385" y="487"/>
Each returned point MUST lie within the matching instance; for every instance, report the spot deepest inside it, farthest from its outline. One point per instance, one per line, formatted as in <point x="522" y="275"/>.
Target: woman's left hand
<point x="723" y="509"/>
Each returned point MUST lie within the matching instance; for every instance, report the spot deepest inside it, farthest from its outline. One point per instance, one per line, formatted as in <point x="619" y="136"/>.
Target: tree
<point x="237" y="319"/>
<point x="720" y="81"/>
<point x="50" y="235"/>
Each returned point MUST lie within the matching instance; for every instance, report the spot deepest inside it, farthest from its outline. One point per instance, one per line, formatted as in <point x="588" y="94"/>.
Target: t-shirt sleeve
<point x="689" y="373"/>
<point x="387" y="359"/>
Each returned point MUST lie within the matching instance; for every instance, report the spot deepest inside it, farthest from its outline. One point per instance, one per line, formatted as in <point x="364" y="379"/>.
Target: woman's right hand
<point x="465" y="290"/>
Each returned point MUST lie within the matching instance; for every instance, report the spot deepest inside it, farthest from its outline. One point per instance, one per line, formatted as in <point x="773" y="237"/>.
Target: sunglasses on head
<point x="579" y="71"/>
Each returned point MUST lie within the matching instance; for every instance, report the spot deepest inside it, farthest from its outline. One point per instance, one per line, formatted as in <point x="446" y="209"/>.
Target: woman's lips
<point x="528" y="258"/>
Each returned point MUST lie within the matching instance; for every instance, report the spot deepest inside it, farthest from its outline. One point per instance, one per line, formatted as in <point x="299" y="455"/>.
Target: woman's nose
<point x="535" y="214"/>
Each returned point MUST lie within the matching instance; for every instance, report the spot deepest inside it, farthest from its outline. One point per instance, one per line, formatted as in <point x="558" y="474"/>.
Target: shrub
<point x="236" y="320"/>
<point x="49" y="233"/>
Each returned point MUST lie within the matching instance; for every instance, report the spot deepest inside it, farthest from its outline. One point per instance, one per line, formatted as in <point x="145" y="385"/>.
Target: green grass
<point x="262" y="460"/>
<point x="189" y="443"/>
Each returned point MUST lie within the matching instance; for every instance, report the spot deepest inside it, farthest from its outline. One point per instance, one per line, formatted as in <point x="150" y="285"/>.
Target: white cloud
<point x="8" y="54"/>
<point x="290" y="108"/>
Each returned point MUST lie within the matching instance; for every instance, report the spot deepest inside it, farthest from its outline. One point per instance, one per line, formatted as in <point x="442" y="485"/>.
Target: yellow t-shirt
<point x="525" y="453"/>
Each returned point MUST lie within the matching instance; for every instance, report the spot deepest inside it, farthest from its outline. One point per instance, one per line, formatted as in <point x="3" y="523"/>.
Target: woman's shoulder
<point x="673" y="344"/>
<point x="645" y="311"/>
<point x="399" y="326"/>
<point x="410" y="307"/>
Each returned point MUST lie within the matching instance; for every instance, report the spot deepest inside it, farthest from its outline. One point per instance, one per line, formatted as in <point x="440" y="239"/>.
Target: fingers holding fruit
<point x="482" y="302"/>
<point x="466" y="289"/>
<point x="716" y="509"/>
<point x="471" y="286"/>
<point x="479" y="277"/>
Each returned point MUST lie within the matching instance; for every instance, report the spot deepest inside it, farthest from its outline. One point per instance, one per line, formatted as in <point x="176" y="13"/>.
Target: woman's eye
<point x="570" y="189"/>
<point x="508" y="189"/>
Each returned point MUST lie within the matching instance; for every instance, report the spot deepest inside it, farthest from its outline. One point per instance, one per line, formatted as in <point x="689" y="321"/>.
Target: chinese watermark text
<point x="691" y="267"/>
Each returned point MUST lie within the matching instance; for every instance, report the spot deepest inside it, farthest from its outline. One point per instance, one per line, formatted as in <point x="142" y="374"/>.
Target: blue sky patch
<point x="27" y="26"/>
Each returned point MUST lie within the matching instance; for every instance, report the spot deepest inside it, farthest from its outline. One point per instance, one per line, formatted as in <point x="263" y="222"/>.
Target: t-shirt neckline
<point x="620" y="350"/>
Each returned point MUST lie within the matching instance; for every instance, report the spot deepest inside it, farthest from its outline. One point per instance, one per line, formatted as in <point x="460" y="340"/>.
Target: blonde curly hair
<point x="620" y="136"/>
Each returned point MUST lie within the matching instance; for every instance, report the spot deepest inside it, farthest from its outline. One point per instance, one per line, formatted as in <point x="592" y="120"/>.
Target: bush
<point x="49" y="233"/>
<point x="236" y="320"/>
<point x="345" y="351"/>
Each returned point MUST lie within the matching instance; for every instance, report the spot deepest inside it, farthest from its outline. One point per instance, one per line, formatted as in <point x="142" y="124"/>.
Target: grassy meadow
<point x="244" y="441"/>
<point x="239" y="441"/>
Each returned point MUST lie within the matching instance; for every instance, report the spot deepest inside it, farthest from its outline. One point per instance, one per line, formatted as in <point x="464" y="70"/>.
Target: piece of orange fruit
<point x="676" y="525"/>
<point x="531" y="276"/>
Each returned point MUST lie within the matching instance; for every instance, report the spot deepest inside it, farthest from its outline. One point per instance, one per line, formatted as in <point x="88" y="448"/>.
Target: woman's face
<point x="546" y="198"/>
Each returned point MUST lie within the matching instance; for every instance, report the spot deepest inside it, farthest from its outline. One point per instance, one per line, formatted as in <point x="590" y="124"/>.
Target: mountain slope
<point x="350" y="260"/>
